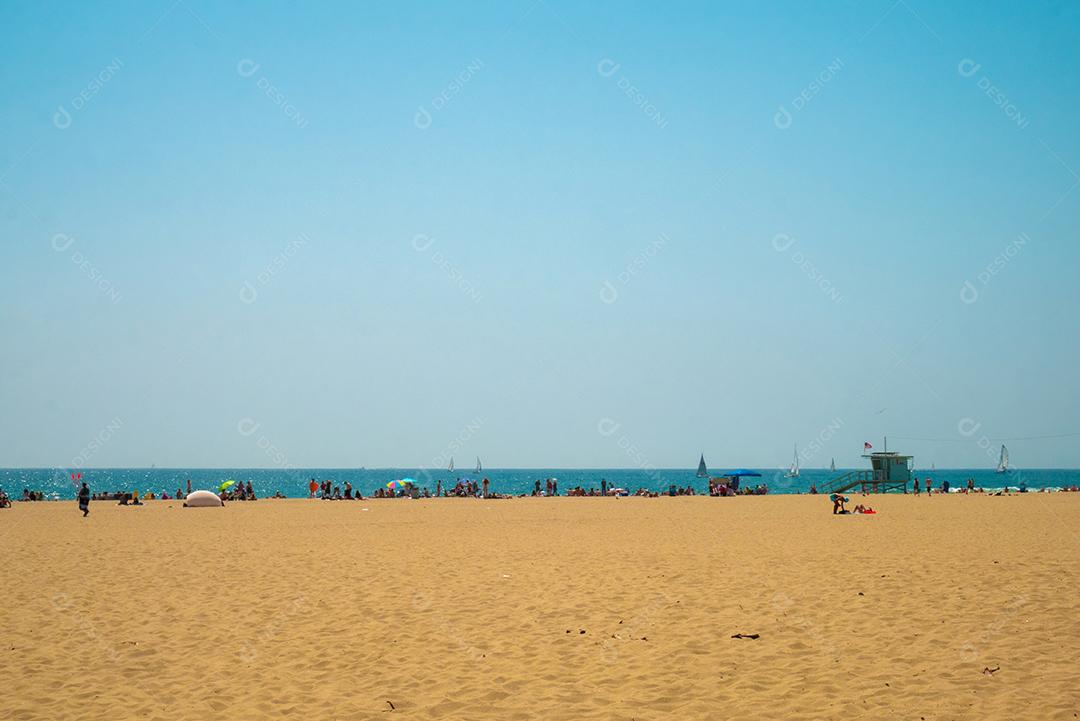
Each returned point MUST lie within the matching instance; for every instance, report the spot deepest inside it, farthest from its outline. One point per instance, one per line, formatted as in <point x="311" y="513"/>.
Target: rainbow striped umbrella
<point x="399" y="484"/>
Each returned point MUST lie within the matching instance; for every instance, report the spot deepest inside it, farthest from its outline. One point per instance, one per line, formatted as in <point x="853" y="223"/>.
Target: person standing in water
<point x="84" y="499"/>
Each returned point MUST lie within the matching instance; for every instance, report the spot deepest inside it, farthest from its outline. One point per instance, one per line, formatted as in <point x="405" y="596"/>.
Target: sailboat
<point x="478" y="466"/>
<point x="451" y="468"/>
<point x="702" y="469"/>
<point x="832" y="464"/>
<point x="1003" y="461"/>
<point x="793" y="472"/>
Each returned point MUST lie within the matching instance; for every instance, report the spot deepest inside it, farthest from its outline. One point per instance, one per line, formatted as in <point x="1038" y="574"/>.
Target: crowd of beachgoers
<point x="328" y="490"/>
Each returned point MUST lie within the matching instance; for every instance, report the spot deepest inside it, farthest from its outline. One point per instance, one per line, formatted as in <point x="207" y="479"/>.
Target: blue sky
<point x="381" y="230"/>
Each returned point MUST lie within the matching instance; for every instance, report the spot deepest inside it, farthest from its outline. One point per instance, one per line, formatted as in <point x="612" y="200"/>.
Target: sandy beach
<point x="558" y="608"/>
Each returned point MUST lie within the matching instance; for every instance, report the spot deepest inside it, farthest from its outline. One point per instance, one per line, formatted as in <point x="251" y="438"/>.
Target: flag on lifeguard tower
<point x="866" y="445"/>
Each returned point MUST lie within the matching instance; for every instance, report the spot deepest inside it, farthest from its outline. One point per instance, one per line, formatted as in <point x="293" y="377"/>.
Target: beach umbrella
<point x="397" y="485"/>
<point x="409" y="481"/>
<point x="224" y="486"/>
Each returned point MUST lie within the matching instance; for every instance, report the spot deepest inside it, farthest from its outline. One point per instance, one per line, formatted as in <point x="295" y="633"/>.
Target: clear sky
<point x="546" y="234"/>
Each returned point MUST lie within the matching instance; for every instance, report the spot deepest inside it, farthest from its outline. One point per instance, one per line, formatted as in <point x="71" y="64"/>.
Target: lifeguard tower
<point x="889" y="471"/>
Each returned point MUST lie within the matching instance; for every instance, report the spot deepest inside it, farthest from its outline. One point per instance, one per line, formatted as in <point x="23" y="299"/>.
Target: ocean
<point x="57" y="483"/>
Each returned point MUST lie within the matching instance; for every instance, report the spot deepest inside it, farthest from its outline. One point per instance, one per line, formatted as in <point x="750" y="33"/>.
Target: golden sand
<point x="567" y="608"/>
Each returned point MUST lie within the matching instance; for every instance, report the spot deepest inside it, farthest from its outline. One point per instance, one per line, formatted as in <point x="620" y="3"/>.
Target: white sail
<point x="1003" y="460"/>
<point x="832" y="464"/>
<point x="793" y="472"/>
<point x="451" y="468"/>
<point x="478" y="466"/>
<point x="702" y="469"/>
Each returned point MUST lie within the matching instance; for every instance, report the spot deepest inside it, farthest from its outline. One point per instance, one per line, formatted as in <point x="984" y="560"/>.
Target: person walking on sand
<point x="916" y="485"/>
<point x="84" y="499"/>
<point x="927" y="483"/>
<point x="487" y="485"/>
